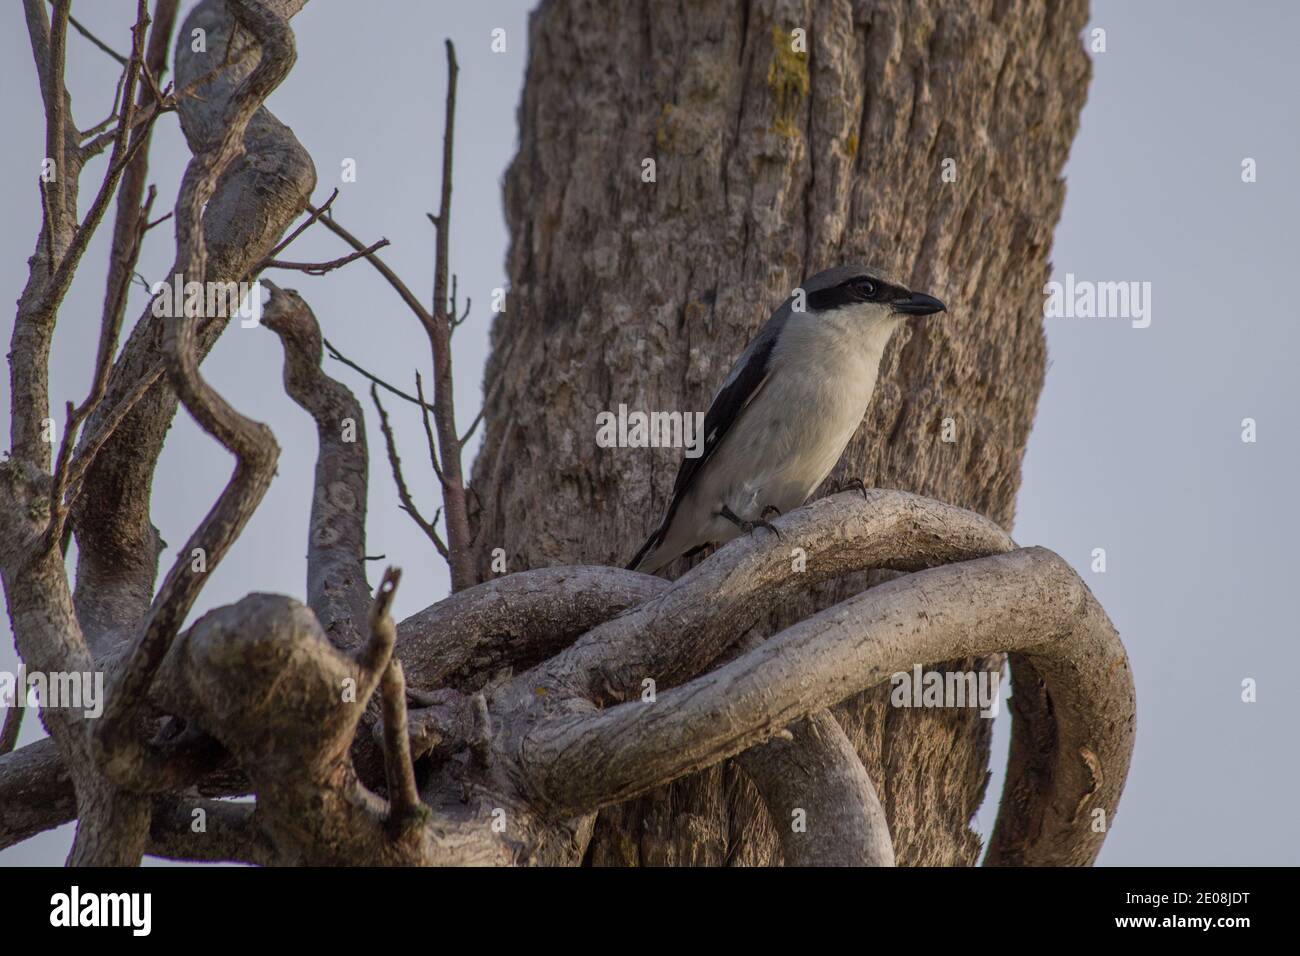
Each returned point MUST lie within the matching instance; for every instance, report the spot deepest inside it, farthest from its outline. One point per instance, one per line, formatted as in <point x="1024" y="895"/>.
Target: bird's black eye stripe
<point x="861" y="288"/>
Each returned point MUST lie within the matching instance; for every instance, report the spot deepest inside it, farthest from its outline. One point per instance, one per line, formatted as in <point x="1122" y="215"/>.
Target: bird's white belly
<point x="786" y="443"/>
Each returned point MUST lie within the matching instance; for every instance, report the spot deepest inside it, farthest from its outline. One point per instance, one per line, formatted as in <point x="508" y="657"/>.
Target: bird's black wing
<point x="739" y="389"/>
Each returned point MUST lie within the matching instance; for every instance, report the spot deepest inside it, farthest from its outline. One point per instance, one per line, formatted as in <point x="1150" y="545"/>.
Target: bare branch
<point x="303" y="226"/>
<point x="403" y="493"/>
<point x="513" y="621"/>
<point x="231" y="834"/>
<point x="812" y="766"/>
<point x="57" y="124"/>
<point x="473" y="426"/>
<point x="81" y="28"/>
<point x="259" y="196"/>
<point x="124" y="147"/>
<point x="262" y="677"/>
<point x="29" y="344"/>
<point x="407" y="296"/>
<point x="338" y="356"/>
<point x="123" y="756"/>
<point x="428" y="432"/>
<point x="679" y="633"/>
<point x="35" y="791"/>
<point x="1030" y="602"/>
<point x="321" y="268"/>
<point x="459" y="541"/>
<point x="336" y="573"/>
<point x="162" y="101"/>
<point x="130" y="225"/>
<point x="126" y="251"/>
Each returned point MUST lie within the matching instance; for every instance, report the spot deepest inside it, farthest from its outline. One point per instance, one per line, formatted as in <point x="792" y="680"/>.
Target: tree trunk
<point x="771" y="163"/>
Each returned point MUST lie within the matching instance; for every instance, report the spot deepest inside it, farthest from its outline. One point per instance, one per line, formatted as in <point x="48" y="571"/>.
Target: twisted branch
<point x="1029" y="601"/>
<point x="336" y="569"/>
<point x="124" y="758"/>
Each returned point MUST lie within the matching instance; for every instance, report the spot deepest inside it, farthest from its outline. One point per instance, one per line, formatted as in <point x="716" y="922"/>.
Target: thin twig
<point x="114" y="115"/>
<point x="125" y="148"/>
<point x="110" y="326"/>
<point x="168" y="103"/>
<point x="81" y="28"/>
<point x="428" y="432"/>
<point x="320" y="268"/>
<point x="407" y="295"/>
<point x="338" y="356"/>
<point x="404" y="494"/>
<point x="473" y="426"/>
<point x="303" y="226"/>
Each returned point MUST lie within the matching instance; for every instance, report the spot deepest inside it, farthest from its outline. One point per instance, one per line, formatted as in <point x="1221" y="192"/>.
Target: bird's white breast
<point x="823" y="371"/>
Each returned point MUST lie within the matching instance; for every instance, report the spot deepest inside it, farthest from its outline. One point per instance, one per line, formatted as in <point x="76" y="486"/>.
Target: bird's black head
<point x="854" y="285"/>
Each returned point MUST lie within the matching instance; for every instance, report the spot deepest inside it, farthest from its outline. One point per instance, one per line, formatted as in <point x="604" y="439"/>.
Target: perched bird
<point x="780" y="421"/>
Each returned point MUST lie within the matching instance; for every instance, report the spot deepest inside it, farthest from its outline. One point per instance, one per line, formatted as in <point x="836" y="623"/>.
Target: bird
<point x="782" y="417"/>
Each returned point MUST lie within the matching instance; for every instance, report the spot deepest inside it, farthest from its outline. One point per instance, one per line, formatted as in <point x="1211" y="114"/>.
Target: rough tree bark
<point x="770" y="164"/>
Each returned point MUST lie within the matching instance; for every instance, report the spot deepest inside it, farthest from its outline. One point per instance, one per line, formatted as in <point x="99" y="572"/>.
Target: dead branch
<point x="295" y="742"/>
<point x="35" y="791"/>
<point x="406" y="295"/>
<point x="257" y="198"/>
<point x="438" y="325"/>
<point x="124" y="148"/>
<point x="29" y="345"/>
<point x="812" y="767"/>
<point x="302" y="227"/>
<point x="230" y="832"/>
<point x="514" y="621"/>
<point x="1029" y="601"/>
<point x="123" y="756"/>
<point x="459" y="543"/>
<point x="429" y="441"/>
<point x="81" y="28"/>
<point x="839" y="535"/>
<point x="338" y="356"/>
<point x="321" y="268"/>
<point x="404" y="807"/>
<point x="404" y="493"/>
<point x="336" y="574"/>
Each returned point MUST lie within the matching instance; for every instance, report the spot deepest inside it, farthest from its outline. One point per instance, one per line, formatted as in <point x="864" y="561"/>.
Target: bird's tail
<point x="652" y="542"/>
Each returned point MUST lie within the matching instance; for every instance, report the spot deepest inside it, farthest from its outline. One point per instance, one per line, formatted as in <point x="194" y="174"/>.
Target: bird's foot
<point x="852" y="483"/>
<point x="749" y="526"/>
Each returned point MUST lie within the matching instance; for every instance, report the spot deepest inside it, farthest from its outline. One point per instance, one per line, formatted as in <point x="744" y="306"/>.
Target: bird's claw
<point x="762" y="521"/>
<point x="857" y="483"/>
<point x="749" y="526"/>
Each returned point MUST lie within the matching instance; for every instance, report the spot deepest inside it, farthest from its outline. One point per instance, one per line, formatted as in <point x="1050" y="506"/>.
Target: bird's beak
<point x="918" y="303"/>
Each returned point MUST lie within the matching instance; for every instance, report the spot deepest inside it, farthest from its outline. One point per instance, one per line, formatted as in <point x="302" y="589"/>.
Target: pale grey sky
<point x="1136" y="447"/>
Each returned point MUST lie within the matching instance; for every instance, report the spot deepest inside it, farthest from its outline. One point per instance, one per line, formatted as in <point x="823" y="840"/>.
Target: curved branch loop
<point x="1029" y="602"/>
